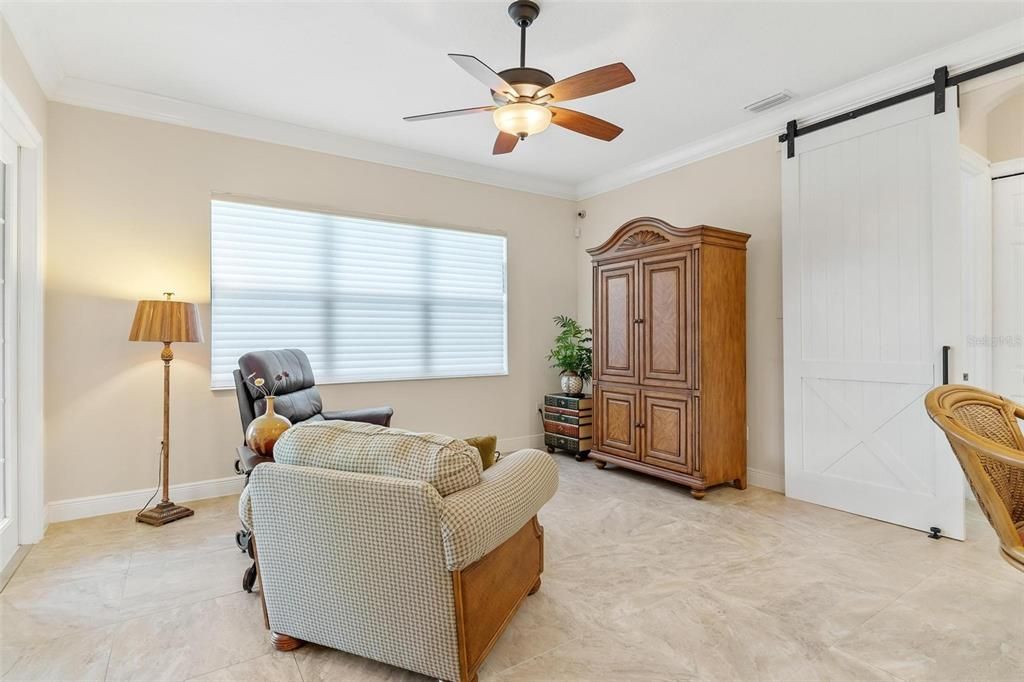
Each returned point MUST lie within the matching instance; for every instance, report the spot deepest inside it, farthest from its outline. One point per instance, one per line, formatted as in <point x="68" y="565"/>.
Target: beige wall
<point x="129" y="218"/>
<point x="739" y="190"/>
<point x="1006" y="129"/>
<point x="18" y="77"/>
<point x="991" y="120"/>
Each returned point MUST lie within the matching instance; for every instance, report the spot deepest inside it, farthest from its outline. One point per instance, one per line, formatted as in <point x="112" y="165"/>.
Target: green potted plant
<point x="572" y="355"/>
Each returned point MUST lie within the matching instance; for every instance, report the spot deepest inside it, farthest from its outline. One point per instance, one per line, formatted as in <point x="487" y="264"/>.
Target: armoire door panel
<point x="666" y="326"/>
<point x="667" y="430"/>
<point x="617" y="423"/>
<point x="616" y="310"/>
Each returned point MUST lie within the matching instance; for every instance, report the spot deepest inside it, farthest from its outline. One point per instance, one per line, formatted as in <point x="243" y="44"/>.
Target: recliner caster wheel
<point x="249" y="579"/>
<point x="241" y="540"/>
<point x="551" y="450"/>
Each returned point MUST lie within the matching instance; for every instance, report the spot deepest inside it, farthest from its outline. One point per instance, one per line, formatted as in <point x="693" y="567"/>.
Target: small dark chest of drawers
<point x="568" y="423"/>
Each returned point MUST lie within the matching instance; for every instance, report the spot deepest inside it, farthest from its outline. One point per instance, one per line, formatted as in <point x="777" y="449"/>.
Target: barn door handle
<point x="945" y="365"/>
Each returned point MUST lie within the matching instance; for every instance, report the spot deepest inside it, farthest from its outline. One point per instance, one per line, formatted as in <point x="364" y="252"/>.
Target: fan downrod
<point x="523" y="12"/>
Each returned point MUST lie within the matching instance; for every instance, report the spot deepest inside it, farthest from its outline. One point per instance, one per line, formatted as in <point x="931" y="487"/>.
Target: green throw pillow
<point x="486" y="445"/>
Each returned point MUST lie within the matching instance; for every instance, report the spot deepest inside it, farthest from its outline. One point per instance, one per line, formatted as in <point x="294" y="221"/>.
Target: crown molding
<point x="979" y="49"/>
<point x="974" y="51"/>
<point x="120" y="100"/>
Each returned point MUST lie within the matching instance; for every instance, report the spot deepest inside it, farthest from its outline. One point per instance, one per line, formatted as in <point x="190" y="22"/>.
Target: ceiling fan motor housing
<point x="526" y="80"/>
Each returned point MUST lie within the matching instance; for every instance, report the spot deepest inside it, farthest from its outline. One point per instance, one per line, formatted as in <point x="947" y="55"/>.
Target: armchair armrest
<point x="247" y="459"/>
<point x="478" y="519"/>
<point x="369" y="415"/>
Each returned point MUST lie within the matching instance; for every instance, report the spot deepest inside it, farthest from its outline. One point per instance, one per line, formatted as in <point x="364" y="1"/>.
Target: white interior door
<point x="1008" y="287"/>
<point x="871" y="293"/>
<point x="976" y="220"/>
<point x="8" y="325"/>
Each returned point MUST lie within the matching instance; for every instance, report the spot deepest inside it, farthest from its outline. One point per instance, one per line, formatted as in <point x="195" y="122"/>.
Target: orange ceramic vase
<point x="264" y="431"/>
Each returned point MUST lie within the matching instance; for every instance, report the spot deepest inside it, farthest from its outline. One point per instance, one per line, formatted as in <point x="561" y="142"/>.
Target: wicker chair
<point x="982" y="428"/>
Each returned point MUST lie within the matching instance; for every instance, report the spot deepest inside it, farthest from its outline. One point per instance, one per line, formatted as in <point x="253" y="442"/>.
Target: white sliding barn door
<point x="871" y="293"/>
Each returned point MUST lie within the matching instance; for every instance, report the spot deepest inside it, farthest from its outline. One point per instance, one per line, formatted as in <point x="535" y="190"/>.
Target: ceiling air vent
<point x="769" y="102"/>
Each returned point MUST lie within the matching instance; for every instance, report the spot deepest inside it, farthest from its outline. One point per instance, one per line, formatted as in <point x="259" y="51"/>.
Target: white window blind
<point x="366" y="300"/>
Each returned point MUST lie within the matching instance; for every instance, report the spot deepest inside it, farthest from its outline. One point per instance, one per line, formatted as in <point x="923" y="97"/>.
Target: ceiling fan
<point x="523" y="95"/>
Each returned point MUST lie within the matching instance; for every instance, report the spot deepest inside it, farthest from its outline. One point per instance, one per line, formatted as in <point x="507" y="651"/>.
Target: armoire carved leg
<point x="599" y="464"/>
<point x="697" y="494"/>
<point x="740" y="483"/>
<point x="536" y="586"/>
<point x="284" y="642"/>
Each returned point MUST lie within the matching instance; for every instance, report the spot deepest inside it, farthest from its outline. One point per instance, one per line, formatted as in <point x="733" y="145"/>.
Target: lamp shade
<point x="167" y="321"/>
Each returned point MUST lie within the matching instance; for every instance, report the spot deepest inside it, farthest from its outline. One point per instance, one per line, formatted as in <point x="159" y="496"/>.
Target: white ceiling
<point x="356" y="68"/>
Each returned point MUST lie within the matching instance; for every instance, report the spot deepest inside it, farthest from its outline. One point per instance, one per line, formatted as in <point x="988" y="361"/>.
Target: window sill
<point x="328" y="382"/>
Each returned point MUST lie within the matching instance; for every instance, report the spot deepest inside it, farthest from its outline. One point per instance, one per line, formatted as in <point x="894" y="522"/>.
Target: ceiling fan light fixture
<point x="522" y="119"/>
<point x="525" y="97"/>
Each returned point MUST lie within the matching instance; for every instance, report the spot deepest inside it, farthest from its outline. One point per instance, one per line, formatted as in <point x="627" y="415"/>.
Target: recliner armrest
<point x="478" y="519"/>
<point x="368" y="415"/>
<point x="248" y="459"/>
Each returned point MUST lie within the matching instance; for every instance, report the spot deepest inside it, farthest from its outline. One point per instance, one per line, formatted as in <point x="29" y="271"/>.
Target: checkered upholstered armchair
<point x="984" y="431"/>
<point x="395" y="545"/>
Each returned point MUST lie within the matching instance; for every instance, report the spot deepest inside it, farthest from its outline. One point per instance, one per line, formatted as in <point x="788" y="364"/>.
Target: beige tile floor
<point x="642" y="583"/>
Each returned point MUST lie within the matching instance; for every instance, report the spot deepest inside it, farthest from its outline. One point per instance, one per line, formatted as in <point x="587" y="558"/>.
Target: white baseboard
<point x="535" y="440"/>
<point x="132" y="500"/>
<point x="766" y="479"/>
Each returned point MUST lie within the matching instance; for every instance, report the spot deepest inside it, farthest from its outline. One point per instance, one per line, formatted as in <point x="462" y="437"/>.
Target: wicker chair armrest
<point x="1008" y="456"/>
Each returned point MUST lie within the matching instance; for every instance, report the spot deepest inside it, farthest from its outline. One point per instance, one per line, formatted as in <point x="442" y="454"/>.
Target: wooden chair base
<point x="489" y="592"/>
<point x="284" y="642"/>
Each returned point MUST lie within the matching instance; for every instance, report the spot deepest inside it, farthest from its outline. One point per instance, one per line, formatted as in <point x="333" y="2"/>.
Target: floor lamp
<point x="166" y="321"/>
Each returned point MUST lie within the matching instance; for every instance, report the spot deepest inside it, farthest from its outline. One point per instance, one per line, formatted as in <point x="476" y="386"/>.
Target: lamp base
<point x="165" y="512"/>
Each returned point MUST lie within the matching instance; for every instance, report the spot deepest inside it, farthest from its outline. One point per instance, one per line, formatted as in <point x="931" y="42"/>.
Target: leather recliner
<point x="297" y="398"/>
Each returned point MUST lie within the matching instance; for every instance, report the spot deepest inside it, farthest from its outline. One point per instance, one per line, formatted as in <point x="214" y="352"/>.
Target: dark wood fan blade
<point x="578" y="122"/>
<point x="446" y="114"/>
<point x="505" y="143"/>
<point x="588" y="83"/>
<point x="485" y="74"/>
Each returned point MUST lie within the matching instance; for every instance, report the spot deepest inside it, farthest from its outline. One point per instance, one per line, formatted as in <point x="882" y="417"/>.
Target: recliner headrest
<point x="269" y="363"/>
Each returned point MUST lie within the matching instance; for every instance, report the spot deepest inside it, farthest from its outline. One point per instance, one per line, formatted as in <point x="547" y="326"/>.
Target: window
<point x="367" y="300"/>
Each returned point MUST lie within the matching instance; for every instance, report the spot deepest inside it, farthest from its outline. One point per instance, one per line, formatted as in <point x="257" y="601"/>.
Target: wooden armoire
<point x="670" y="353"/>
